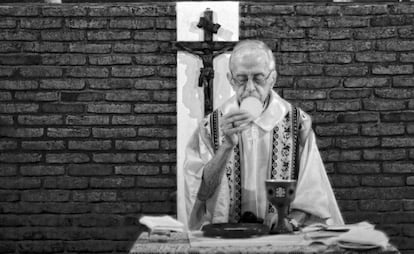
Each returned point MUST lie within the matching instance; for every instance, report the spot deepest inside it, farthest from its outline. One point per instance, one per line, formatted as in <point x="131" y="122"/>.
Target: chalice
<point x="281" y="193"/>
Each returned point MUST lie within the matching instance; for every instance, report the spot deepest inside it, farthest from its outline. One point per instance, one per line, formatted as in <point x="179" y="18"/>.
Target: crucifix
<point x="207" y="50"/>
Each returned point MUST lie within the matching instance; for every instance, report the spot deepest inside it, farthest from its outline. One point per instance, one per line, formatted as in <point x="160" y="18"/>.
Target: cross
<point x="207" y="50"/>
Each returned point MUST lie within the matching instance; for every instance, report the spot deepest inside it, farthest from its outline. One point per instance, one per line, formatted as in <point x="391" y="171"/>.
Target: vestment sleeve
<point x="314" y="193"/>
<point x="198" y="153"/>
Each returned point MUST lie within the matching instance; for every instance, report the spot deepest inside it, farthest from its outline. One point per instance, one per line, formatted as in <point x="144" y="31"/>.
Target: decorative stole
<point x="283" y="164"/>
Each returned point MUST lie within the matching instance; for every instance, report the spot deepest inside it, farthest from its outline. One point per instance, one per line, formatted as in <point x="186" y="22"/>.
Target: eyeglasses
<point x="242" y="80"/>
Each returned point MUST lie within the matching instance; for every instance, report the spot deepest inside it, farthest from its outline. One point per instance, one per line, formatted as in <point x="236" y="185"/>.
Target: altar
<point x="180" y="243"/>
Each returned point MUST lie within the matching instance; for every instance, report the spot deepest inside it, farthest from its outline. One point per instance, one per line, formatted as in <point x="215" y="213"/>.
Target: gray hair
<point x="255" y="44"/>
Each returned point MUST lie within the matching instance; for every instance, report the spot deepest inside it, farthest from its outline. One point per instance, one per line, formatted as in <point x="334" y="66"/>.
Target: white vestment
<point x="314" y="193"/>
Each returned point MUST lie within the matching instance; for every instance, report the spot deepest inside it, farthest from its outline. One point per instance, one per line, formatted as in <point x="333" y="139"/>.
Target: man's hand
<point x="271" y="221"/>
<point x="233" y="123"/>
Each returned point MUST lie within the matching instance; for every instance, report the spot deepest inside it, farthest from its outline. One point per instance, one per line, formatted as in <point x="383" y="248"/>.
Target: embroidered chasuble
<point x="282" y="165"/>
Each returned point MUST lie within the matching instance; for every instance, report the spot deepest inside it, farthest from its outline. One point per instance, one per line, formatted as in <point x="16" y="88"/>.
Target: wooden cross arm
<point x="215" y="47"/>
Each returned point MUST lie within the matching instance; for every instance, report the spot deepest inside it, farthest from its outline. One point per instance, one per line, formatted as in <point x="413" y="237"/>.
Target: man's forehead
<point x="249" y="59"/>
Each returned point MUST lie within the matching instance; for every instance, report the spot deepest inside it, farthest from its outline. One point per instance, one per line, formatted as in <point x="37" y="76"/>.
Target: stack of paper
<point x="363" y="238"/>
<point x="162" y="223"/>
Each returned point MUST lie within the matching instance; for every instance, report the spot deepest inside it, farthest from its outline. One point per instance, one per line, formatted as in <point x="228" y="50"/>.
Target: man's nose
<point x="250" y="86"/>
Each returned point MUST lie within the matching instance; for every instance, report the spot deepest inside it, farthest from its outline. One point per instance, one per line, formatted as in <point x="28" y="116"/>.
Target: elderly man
<point x="232" y="153"/>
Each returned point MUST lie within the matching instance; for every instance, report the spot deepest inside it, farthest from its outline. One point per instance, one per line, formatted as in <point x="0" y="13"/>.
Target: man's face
<point x="250" y="74"/>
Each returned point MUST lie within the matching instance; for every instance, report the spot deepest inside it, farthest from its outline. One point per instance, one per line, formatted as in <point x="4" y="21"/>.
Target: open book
<point x="162" y="223"/>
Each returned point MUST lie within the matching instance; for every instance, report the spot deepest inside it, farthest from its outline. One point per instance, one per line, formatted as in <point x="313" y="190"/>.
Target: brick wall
<point x="88" y="116"/>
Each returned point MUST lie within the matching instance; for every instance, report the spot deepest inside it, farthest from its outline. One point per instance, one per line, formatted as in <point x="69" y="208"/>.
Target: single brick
<point x="82" y="96"/>
<point x="394" y="93"/>
<point x="145" y="59"/>
<point x="67" y="158"/>
<point x="127" y="95"/>
<point x="350" y="105"/>
<point x="164" y="71"/>
<point x="397" y="117"/>
<point x="155" y="182"/>
<point x="136" y="145"/>
<point x="350" y="45"/>
<point x="89" y="169"/>
<point x="155" y="108"/>
<point x="40" y="120"/>
<point x="292" y="58"/>
<point x="165" y="23"/>
<point x="19" y="35"/>
<point x="382" y="129"/>
<point x="395" y="45"/>
<point x="365" y="9"/>
<point x="151" y="84"/>
<point x="337" y="129"/>
<point x="19" y="108"/>
<point x="5" y="96"/>
<point x="156" y="157"/>
<point x="375" y="57"/>
<point x="304" y="45"/>
<point x="114" y="132"/>
<point x="349" y="93"/>
<point x="46" y="196"/>
<point x="7" y="72"/>
<point x="112" y="182"/>
<point x="8" y="144"/>
<point x="86" y="120"/>
<point x="407" y="57"/>
<point x="19" y="183"/>
<point x="158" y="207"/>
<point x="304" y="94"/>
<point x="8" y="23"/>
<point x="383" y="154"/>
<point x="142" y="47"/>
<point x="42" y="47"/>
<point x="383" y="105"/>
<point x="117" y="208"/>
<point x="86" y="24"/>
<point x="143" y="195"/>
<point x="375" y="33"/>
<point x="330" y="57"/>
<point x="167" y="120"/>
<point x="340" y="155"/>
<point x="63" y="59"/>
<point x="358" y="167"/>
<point x="114" y="157"/>
<point x="133" y="120"/>
<point x="383" y="181"/>
<point x="8" y="170"/>
<point x="302" y="21"/>
<point x="300" y="70"/>
<point x="40" y="23"/>
<point x="347" y="70"/>
<point x="392" y="69"/>
<point x="255" y="8"/>
<point x="10" y="47"/>
<point x="380" y="205"/>
<point x="140" y="71"/>
<point x="62" y="108"/>
<point x="41" y="170"/>
<point x="357" y="142"/>
<point x="110" y="60"/>
<point x="137" y="170"/>
<point x="157" y="132"/>
<point x="90" y="145"/>
<point x="6" y="120"/>
<point x="40" y="72"/>
<point x="111" y="83"/>
<point x="329" y="34"/>
<point x="37" y="96"/>
<point x="339" y="181"/>
<point x="109" y="108"/>
<point x="410" y="128"/>
<point x="347" y="21"/>
<point x="65" y="182"/>
<point x="319" y="82"/>
<point x="43" y="145"/>
<point x="66" y="84"/>
<point x="108" y="35"/>
<point x="64" y="11"/>
<point x="317" y="10"/>
<point x="410" y="180"/>
<point x="132" y="23"/>
<point x="91" y="48"/>
<point x="87" y="72"/>
<point x="60" y="35"/>
<point x="18" y="59"/>
<point x="68" y="132"/>
<point x="94" y="196"/>
<point x="397" y="142"/>
<point x="319" y="117"/>
<point x="155" y="36"/>
<point x="21" y="132"/>
<point x="402" y="81"/>
<point x="8" y="196"/>
<point x="398" y="167"/>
